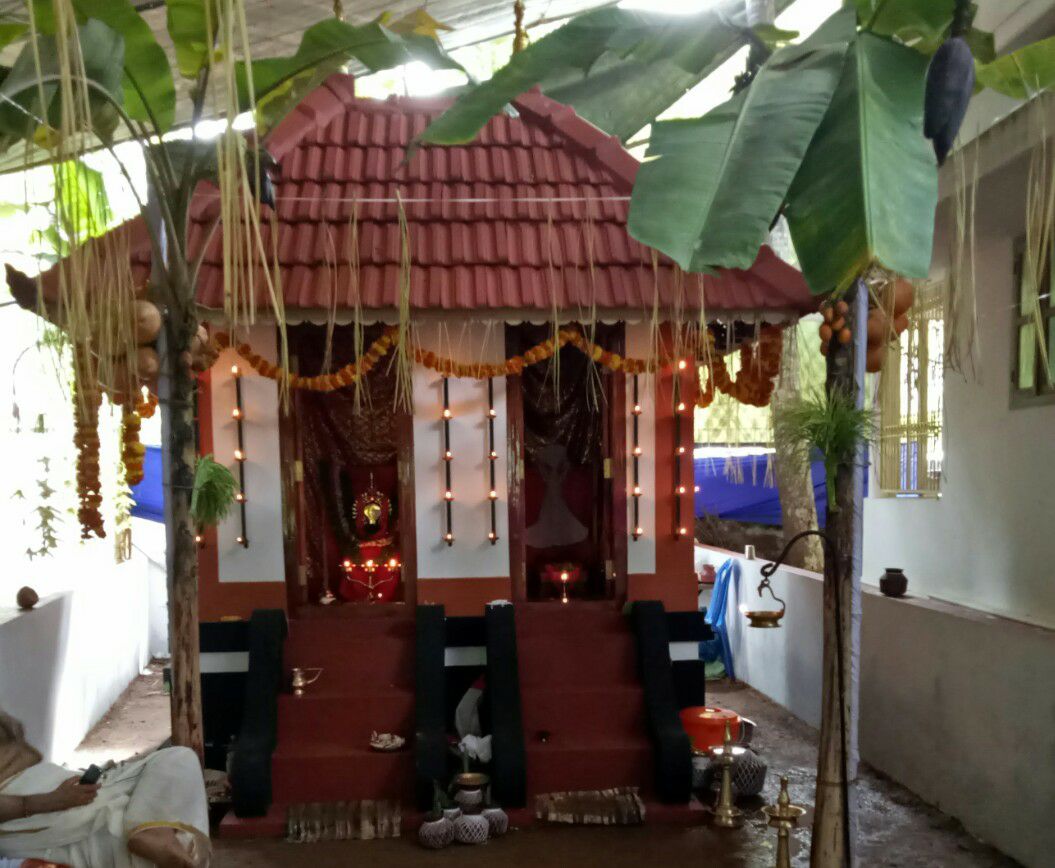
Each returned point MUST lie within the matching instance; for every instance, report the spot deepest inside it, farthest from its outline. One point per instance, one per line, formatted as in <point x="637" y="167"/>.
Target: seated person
<point x="150" y="811"/>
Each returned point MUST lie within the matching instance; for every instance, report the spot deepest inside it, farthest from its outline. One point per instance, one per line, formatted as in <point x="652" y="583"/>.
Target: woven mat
<point x="616" y="807"/>
<point x="343" y="821"/>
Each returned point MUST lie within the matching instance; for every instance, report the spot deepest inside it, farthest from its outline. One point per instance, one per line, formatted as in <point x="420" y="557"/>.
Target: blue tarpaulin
<point x="149" y="496"/>
<point x="750" y="499"/>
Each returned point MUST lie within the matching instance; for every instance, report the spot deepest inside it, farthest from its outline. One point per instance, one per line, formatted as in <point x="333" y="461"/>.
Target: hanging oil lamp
<point x="768" y="618"/>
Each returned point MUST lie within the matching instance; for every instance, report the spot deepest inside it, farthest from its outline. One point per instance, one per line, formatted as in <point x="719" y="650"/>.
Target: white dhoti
<point x="164" y="790"/>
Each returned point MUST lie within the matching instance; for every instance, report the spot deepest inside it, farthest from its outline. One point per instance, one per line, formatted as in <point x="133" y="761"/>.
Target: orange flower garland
<point x="132" y="450"/>
<point x="86" y="438"/>
<point x="756" y="380"/>
<point x="754" y="385"/>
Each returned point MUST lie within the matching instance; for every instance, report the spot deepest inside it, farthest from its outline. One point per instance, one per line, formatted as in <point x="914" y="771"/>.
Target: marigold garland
<point x="86" y="438"/>
<point x="132" y="450"/>
<point x="754" y="384"/>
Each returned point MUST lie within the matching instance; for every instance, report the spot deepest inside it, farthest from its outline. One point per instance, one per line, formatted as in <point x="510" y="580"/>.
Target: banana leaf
<point x="1021" y="74"/>
<point x="710" y="191"/>
<point x="279" y="83"/>
<point x="618" y="68"/>
<point x="921" y="24"/>
<point x="867" y="189"/>
<point x="192" y="29"/>
<point x="148" y="88"/>
<point x="29" y="109"/>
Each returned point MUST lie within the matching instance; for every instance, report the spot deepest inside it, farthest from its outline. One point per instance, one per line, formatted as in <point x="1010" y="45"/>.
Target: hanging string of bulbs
<point x="238" y="414"/>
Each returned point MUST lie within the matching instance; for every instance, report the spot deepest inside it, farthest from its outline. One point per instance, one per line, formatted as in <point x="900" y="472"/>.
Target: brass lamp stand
<point x="726" y="814"/>
<point x="783" y="816"/>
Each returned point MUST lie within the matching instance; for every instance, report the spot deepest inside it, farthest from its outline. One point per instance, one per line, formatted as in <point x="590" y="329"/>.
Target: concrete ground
<point x="897" y="829"/>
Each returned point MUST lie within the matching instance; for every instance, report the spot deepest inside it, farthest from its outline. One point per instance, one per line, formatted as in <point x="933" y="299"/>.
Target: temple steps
<point x="583" y="707"/>
<point x="367" y="684"/>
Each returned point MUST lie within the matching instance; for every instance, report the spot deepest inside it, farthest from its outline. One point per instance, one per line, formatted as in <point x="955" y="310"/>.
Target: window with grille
<point x="910" y="401"/>
<point x="1033" y="375"/>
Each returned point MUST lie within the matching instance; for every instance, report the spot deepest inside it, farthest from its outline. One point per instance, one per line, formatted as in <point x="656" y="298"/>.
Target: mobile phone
<point x="91" y="775"/>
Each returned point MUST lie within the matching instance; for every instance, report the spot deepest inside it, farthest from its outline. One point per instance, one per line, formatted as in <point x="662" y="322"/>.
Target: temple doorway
<point x="568" y="417"/>
<point x="348" y="539"/>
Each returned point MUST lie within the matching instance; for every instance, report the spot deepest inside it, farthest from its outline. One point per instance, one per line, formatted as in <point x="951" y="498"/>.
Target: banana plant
<point x="89" y="73"/>
<point x="828" y="131"/>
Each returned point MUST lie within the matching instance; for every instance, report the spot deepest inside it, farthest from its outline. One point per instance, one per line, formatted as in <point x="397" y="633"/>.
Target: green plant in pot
<point x="214" y="493"/>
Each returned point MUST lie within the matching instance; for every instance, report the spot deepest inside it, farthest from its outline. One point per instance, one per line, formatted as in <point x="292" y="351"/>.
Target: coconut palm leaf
<point x="867" y="189"/>
<point x="618" y="68"/>
<point x="710" y="192"/>
<point x="214" y="492"/>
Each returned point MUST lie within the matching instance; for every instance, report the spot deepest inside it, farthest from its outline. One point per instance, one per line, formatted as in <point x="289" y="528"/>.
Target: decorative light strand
<point x="680" y="531"/>
<point x="238" y="414"/>
<point x="635" y="458"/>
<point x="492" y="456"/>
<point x="448" y="493"/>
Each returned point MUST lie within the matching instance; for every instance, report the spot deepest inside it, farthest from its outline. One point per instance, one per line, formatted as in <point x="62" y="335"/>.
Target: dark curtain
<point x="565" y="405"/>
<point x="347" y="441"/>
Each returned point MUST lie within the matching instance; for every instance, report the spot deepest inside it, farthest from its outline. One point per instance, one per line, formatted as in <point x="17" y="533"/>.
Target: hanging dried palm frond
<point x="961" y="312"/>
<point x="403" y="357"/>
<point x="1038" y="261"/>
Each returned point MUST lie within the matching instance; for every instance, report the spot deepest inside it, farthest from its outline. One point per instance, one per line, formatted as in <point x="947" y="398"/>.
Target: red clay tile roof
<point x="535" y="207"/>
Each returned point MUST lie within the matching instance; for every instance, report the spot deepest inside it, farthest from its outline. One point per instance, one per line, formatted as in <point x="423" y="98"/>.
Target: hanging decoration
<point x="86" y="438"/>
<point x="680" y="530"/>
<point x="132" y="450"/>
<point x="448" y="456"/>
<point x="635" y="461"/>
<point x="753" y="385"/>
<point x="492" y="458"/>
<point x="757" y="377"/>
<point x="238" y="414"/>
<point x="887" y="319"/>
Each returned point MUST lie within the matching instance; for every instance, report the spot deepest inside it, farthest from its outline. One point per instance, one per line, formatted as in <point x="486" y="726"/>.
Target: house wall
<point x="472" y="572"/>
<point x="987" y="542"/>
<point x="234" y="580"/>
<point x="956" y="704"/>
<point x="64" y="663"/>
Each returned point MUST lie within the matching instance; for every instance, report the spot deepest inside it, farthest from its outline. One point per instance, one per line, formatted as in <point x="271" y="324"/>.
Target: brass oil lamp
<point x="783" y="816"/>
<point x="726" y="814"/>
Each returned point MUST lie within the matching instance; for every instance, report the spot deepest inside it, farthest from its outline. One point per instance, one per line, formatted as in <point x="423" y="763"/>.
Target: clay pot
<point x="436" y="832"/>
<point x="469" y="800"/>
<point x="26" y="598"/>
<point x="497" y="821"/>
<point x="893" y="582"/>
<point x="471" y="829"/>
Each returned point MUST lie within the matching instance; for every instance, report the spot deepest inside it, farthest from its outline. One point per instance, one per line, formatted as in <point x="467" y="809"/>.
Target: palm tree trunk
<point x="179" y="455"/>
<point x="834" y="823"/>
<point x="791" y="467"/>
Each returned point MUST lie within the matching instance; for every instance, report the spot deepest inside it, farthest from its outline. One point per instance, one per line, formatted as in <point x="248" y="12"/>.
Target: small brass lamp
<point x="783" y="816"/>
<point x="726" y="814"/>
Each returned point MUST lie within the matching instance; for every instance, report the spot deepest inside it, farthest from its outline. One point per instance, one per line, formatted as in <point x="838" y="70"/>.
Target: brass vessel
<point x="301" y="678"/>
